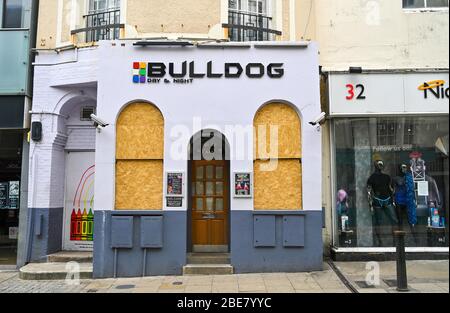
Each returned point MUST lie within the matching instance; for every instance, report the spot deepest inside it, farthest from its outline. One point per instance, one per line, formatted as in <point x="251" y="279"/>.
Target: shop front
<point x="390" y="163"/>
<point x="199" y="149"/>
<point x="13" y="147"/>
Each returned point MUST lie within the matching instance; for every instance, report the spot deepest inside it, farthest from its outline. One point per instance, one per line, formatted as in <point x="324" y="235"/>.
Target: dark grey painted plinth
<point x="45" y="233"/>
<point x="247" y="256"/>
<point x="168" y="259"/>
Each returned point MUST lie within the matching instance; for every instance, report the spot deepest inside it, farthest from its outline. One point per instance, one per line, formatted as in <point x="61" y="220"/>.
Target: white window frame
<point x="426" y="8"/>
<point x="108" y="7"/>
<point x="245" y="7"/>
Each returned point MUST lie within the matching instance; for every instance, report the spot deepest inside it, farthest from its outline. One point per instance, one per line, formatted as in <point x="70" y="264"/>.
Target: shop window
<point x="386" y="132"/>
<point x="139" y="158"/>
<point x="425" y="4"/>
<point x="277" y="164"/>
<point x="391" y="174"/>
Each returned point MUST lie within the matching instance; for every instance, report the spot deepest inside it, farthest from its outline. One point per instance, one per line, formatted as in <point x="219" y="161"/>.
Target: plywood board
<point x="140" y="133"/>
<point x="280" y="188"/>
<point x="139" y="185"/>
<point x="285" y="122"/>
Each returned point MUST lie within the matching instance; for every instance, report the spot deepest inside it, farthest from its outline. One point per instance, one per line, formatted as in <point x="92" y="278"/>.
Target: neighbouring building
<point x="17" y="38"/>
<point x="386" y="90"/>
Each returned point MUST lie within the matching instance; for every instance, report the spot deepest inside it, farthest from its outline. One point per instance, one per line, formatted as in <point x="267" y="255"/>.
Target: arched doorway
<point x="209" y="195"/>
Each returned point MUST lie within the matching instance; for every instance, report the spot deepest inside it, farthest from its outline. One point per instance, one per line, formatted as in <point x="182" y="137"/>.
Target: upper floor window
<point x="102" y="21"/>
<point x="250" y="20"/>
<point x="96" y="6"/>
<point x="250" y="6"/>
<point x="13" y="13"/>
<point x="425" y="4"/>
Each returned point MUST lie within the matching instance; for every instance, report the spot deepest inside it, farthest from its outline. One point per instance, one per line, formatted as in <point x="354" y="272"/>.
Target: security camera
<point x="319" y="120"/>
<point x="98" y="122"/>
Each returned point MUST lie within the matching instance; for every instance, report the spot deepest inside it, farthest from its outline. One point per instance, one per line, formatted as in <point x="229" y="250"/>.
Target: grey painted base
<point x="45" y="233"/>
<point x="128" y="261"/>
<point x="119" y="238"/>
<point x="247" y="256"/>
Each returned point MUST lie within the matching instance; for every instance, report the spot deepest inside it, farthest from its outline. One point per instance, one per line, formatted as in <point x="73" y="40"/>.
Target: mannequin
<point x="380" y="196"/>
<point x="405" y="199"/>
<point x="342" y="208"/>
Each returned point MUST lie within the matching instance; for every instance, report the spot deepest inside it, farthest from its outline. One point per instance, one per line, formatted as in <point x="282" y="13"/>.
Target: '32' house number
<point x="355" y="92"/>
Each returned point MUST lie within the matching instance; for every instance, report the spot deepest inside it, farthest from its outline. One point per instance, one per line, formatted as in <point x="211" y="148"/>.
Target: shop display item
<point x="435" y="218"/>
<point x="380" y="194"/>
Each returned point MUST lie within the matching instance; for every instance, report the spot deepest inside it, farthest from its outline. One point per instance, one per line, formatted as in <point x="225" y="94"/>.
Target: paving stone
<point x="427" y="287"/>
<point x="309" y="291"/>
<point x="198" y="289"/>
<point x="251" y="287"/>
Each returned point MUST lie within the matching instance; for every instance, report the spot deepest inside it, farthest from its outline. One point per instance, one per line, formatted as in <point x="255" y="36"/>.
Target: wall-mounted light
<point x="355" y="70"/>
<point x="177" y="43"/>
<point x="36" y="131"/>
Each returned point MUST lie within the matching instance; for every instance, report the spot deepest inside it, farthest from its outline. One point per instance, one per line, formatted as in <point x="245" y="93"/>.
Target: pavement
<point x="424" y="276"/>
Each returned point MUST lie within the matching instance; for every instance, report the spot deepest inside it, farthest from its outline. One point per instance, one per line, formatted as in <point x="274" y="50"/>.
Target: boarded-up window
<point x="139" y="158"/>
<point x="277" y="164"/>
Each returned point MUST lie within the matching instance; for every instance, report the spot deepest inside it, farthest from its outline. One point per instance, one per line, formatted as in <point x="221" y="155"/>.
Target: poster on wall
<point x="14" y="195"/>
<point x="13" y="233"/>
<point x="175" y="184"/>
<point x="242" y="185"/>
<point x="4" y="195"/>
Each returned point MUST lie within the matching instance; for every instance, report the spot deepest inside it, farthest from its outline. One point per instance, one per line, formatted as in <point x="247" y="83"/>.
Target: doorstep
<point x="70" y="256"/>
<point x="208" y="269"/>
<point x="54" y="271"/>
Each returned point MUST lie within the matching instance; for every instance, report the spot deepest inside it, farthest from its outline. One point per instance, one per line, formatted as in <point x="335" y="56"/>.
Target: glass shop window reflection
<point x="391" y="174"/>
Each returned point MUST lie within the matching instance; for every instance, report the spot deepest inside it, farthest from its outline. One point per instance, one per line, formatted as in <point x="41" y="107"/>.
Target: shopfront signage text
<point x="355" y="92"/>
<point x="435" y="88"/>
<point x="184" y="73"/>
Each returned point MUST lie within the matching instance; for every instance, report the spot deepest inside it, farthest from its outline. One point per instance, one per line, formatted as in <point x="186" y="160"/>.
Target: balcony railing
<point x="100" y="26"/>
<point x="243" y="26"/>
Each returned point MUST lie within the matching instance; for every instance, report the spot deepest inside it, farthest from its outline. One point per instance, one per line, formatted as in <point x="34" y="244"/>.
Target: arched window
<point x="139" y="158"/>
<point x="278" y="158"/>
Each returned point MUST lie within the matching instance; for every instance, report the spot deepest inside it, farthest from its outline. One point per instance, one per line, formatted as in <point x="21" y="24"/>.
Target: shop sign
<point x="435" y="88"/>
<point x="184" y="73"/>
<point x="174" y="202"/>
<point x="376" y="93"/>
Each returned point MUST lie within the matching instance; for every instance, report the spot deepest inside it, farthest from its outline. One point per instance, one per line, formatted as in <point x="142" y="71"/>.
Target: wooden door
<point x="210" y="183"/>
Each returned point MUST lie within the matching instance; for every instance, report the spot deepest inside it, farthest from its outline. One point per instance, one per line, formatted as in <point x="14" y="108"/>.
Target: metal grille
<point x="250" y="27"/>
<point x="101" y="26"/>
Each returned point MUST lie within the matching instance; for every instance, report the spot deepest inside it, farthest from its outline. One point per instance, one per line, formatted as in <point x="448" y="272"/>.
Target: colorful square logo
<point x="139" y="72"/>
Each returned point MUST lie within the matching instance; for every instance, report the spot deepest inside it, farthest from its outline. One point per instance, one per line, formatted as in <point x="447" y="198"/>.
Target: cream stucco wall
<point x="46" y="32"/>
<point x="56" y="20"/>
<point x="171" y="17"/>
<point x="155" y="18"/>
<point x="305" y="20"/>
<point x="380" y="35"/>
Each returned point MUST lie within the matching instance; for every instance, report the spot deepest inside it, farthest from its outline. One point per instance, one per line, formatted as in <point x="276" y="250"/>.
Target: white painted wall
<point x="61" y="83"/>
<point x="219" y="102"/>
<point x="64" y="80"/>
<point x="380" y="34"/>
